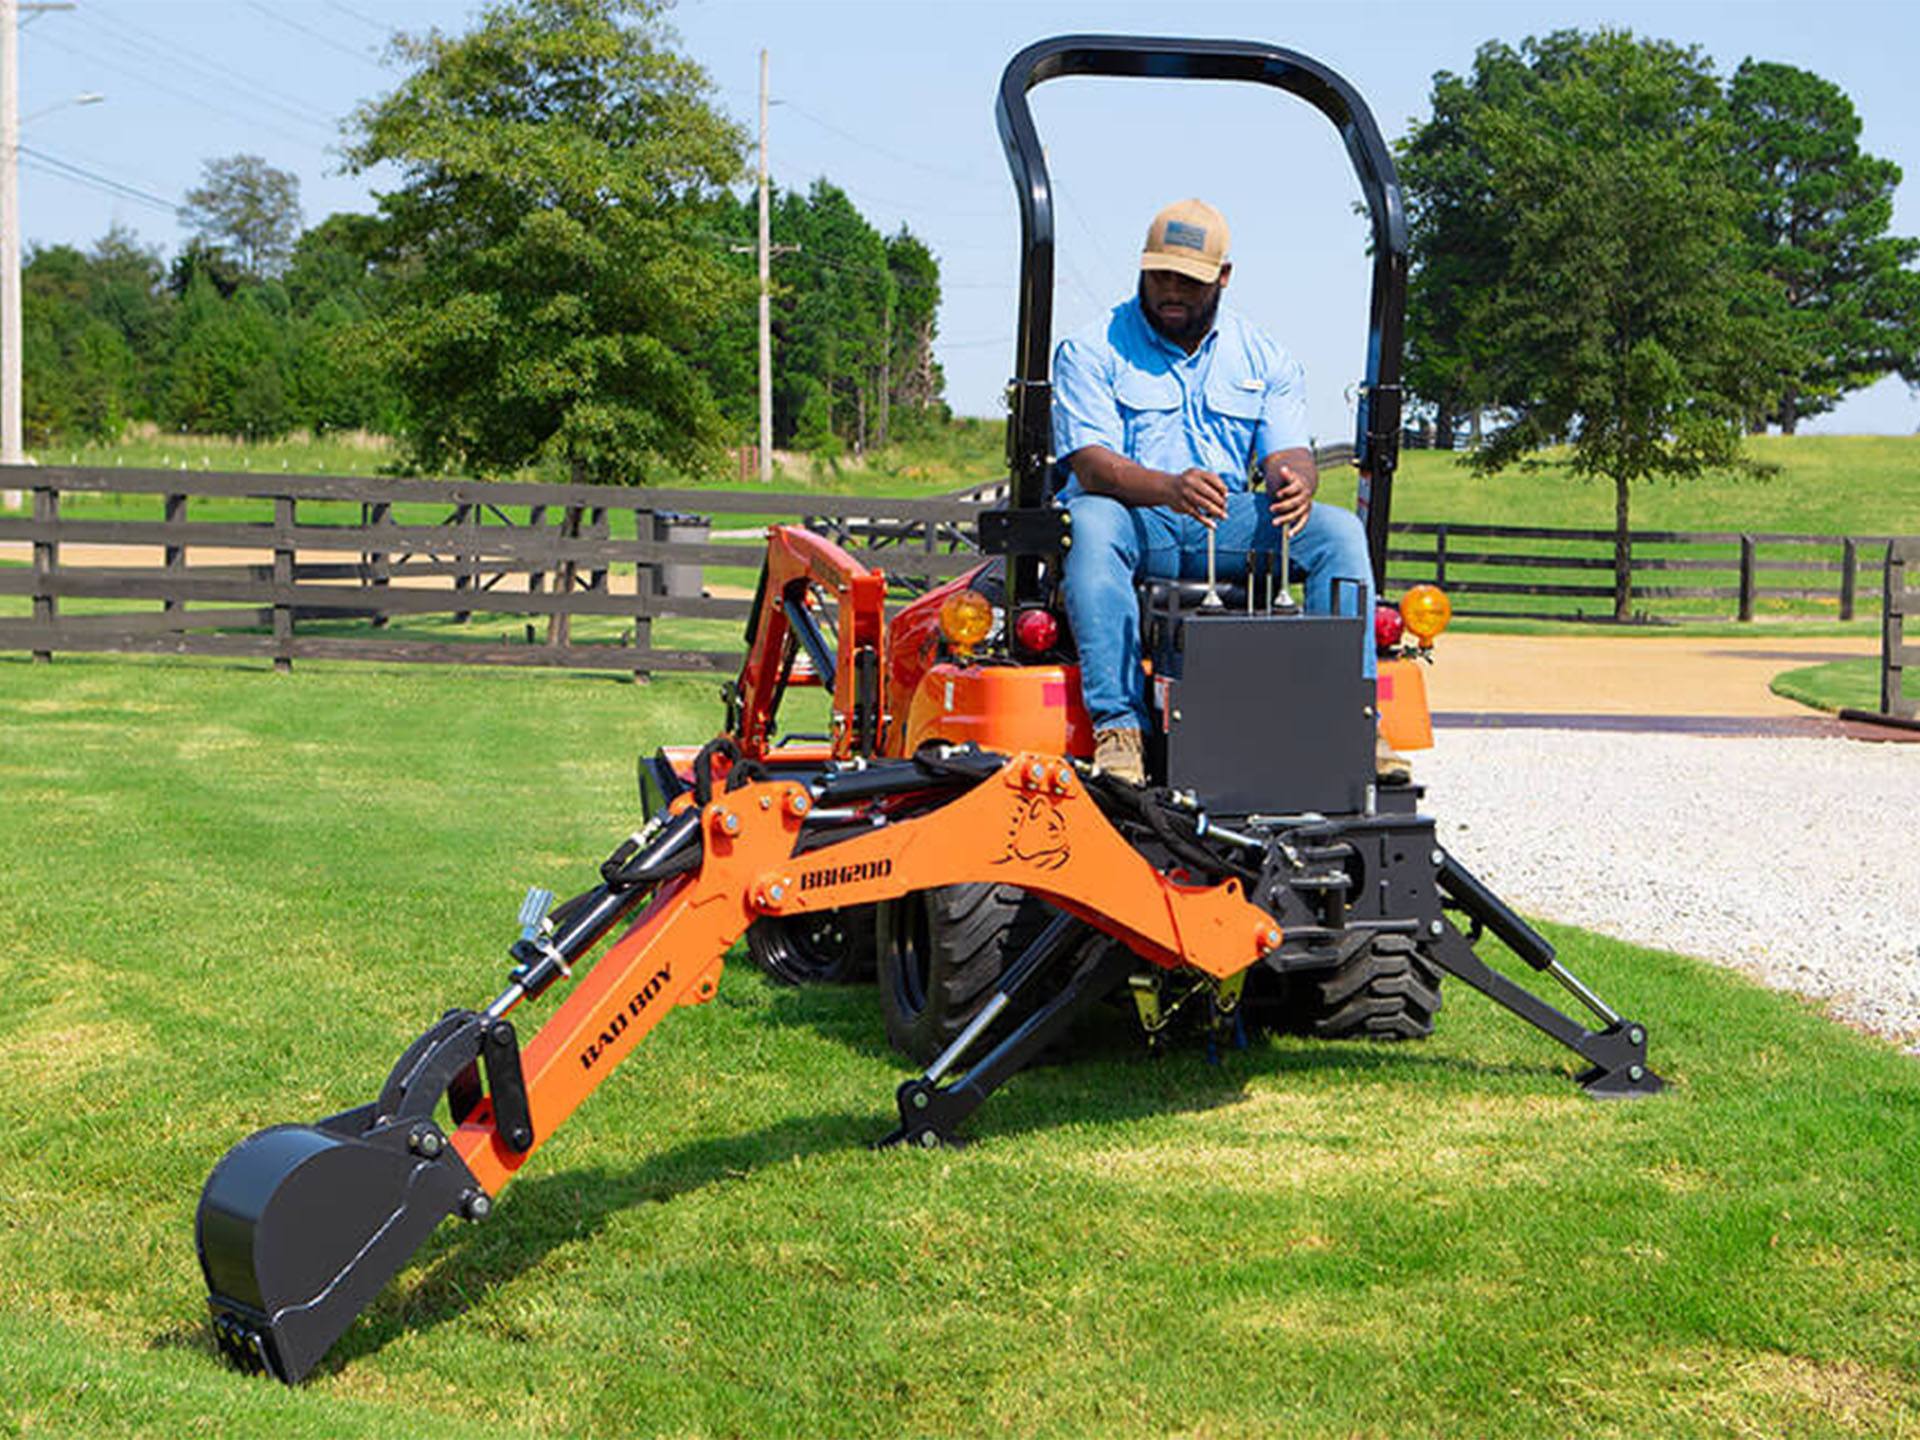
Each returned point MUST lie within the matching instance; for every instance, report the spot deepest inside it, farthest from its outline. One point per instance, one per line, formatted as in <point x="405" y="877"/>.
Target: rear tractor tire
<point x="941" y="953"/>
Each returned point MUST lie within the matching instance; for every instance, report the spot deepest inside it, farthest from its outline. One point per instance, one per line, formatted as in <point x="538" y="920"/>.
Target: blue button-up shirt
<point x="1225" y="408"/>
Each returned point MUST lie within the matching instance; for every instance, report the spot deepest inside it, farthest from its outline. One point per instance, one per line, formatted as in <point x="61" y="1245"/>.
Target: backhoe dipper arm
<point x="300" y="1226"/>
<point x="796" y="560"/>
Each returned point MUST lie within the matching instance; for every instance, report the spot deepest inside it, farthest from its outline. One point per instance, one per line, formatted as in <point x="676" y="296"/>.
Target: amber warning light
<point x="1426" y="610"/>
<point x="966" y="619"/>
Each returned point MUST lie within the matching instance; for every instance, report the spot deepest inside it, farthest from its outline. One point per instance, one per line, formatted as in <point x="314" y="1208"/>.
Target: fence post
<point x="560" y="623"/>
<point x="283" y="575"/>
<point x="46" y="561"/>
<point x="1440" y="556"/>
<point x="536" y="577"/>
<point x="379" y="562"/>
<point x="466" y="539"/>
<point x="174" y="512"/>
<point x="1746" y="577"/>
<point x="1892" y="630"/>
<point x="601" y="529"/>
<point x="645" y="574"/>
<point x="1849" y="577"/>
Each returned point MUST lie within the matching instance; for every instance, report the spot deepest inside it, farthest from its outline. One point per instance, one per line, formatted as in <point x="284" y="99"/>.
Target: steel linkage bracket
<point x="930" y="1113"/>
<point x="1616" y="1054"/>
<point x="447" y="1060"/>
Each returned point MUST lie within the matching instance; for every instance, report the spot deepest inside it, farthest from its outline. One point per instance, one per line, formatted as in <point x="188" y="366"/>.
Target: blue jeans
<point x="1115" y="544"/>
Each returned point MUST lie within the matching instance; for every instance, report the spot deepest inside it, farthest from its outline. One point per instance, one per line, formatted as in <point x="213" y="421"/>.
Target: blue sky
<point x="893" y="101"/>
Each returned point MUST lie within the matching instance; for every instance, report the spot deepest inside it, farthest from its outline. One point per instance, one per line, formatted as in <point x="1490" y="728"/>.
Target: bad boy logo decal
<point x="1037" y="835"/>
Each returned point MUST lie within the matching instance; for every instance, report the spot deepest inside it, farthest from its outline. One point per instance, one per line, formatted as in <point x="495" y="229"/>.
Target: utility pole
<point x="766" y="311"/>
<point x="767" y="251"/>
<point x="10" y="452"/>
<point x="10" y="432"/>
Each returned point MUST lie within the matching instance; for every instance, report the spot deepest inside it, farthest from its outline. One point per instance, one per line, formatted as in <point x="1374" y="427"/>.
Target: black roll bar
<point x="1030" y="394"/>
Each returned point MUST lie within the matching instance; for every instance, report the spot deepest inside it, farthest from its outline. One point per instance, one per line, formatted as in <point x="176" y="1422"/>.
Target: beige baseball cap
<point x="1189" y="238"/>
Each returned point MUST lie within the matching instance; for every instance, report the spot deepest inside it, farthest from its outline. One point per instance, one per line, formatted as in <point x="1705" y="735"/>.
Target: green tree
<point x="335" y="259"/>
<point x="1625" y="324"/>
<point x="227" y="370"/>
<point x="836" y="294"/>
<point x="1818" y="224"/>
<point x="81" y="376"/>
<point x="1457" y="228"/>
<point x="915" y="382"/>
<point x="247" y="210"/>
<point x="551" y="273"/>
<point x="127" y="291"/>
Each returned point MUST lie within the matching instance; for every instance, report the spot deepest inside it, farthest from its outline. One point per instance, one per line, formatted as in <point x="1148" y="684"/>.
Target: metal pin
<point x="1286" y="570"/>
<point x="1212" y="600"/>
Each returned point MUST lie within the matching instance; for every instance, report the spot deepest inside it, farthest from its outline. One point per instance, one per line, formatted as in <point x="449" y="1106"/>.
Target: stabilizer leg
<point x="930" y="1115"/>
<point x="1616" y="1054"/>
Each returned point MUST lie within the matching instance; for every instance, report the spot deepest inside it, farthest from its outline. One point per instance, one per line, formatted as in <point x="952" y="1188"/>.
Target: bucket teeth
<point x="243" y="1346"/>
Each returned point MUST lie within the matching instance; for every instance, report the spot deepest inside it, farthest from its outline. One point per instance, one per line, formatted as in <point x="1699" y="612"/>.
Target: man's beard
<point x="1199" y="322"/>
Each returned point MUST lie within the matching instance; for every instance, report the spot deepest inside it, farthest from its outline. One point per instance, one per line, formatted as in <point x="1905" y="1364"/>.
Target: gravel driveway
<point x="1794" y="860"/>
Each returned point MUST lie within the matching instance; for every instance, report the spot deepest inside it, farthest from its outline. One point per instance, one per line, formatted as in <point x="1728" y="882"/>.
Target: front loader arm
<point x="798" y="560"/>
<point x="300" y="1226"/>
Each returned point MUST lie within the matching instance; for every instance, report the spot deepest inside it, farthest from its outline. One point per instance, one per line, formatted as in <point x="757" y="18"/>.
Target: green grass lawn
<point x="233" y="897"/>
<point x="1841" y="685"/>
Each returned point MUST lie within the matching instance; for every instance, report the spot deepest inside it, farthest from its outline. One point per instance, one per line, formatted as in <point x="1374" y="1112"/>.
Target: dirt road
<point x="1627" y="674"/>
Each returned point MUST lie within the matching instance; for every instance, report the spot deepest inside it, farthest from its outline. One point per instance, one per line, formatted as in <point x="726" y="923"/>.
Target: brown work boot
<point x="1118" y="753"/>
<point x="1389" y="764"/>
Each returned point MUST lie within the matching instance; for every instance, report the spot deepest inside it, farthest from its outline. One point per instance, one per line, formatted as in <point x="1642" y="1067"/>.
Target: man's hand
<point x="1290" y="488"/>
<point x="1199" y="493"/>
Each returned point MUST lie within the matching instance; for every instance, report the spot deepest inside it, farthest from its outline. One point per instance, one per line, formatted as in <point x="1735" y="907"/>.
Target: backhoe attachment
<point x="300" y="1226"/>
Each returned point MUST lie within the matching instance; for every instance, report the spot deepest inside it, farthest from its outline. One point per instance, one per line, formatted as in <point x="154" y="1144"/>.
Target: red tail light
<point x="1036" y="630"/>
<point x="1388" y="627"/>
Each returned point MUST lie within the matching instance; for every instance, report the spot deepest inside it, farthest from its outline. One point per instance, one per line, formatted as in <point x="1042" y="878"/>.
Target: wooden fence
<point x="1667" y="573"/>
<point x="422" y="553"/>
<point x="432" y="570"/>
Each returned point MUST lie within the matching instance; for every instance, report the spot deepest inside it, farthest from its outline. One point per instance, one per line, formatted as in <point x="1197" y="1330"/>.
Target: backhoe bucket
<point x="300" y="1226"/>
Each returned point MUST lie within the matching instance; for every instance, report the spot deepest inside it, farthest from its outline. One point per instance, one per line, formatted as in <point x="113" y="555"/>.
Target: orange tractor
<point x="950" y="833"/>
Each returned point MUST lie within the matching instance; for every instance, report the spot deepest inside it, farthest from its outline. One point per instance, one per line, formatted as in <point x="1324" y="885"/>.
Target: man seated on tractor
<point x="1161" y="411"/>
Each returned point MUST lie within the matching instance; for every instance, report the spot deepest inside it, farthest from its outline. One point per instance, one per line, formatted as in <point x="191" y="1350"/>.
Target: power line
<point x="94" y="58"/>
<point x="353" y="14"/>
<point x="67" y="170"/>
<point x="74" y="156"/>
<point x="942" y="171"/>
<point x="974" y="344"/>
<point x="312" y="34"/>
<point x="147" y="40"/>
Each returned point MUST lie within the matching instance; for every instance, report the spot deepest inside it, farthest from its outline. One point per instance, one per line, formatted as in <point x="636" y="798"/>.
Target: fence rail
<point x="1744" y="562"/>
<point x="318" y="550"/>
<point x="385" y="569"/>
